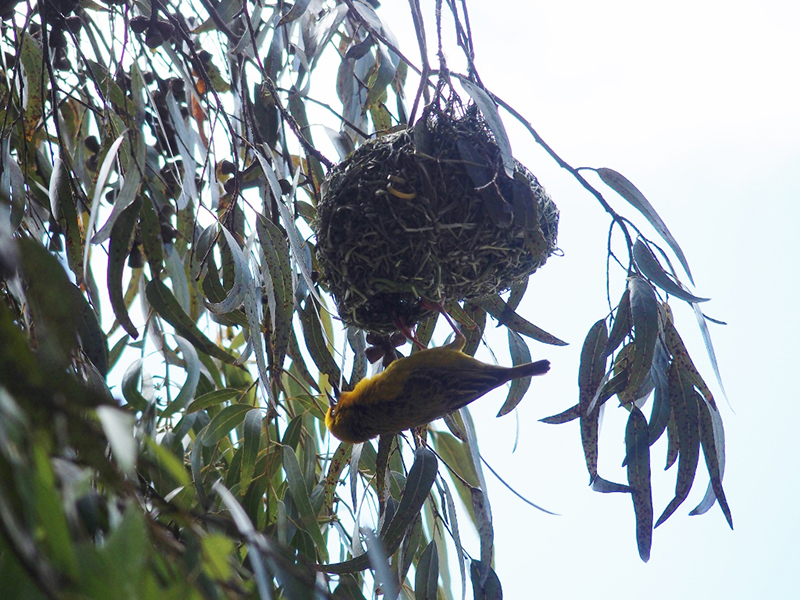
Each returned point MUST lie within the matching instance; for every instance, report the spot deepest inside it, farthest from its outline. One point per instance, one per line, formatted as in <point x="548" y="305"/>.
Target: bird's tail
<point x="540" y="367"/>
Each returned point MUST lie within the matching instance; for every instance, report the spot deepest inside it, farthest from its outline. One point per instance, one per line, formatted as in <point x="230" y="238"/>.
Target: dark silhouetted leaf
<point x="251" y="443"/>
<point x="650" y="267"/>
<point x="644" y="315"/>
<point x="520" y="354"/>
<point x="490" y="589"/>
<point x="572" y="413"/>
<point x="637" y="449"/>
<point x="119" y="247"/>
<point x="622" y="324"/>
<point x="164" y="303"/>
<point x="489" y="111"/>
<point x="608" y="487"/>
<point x="714" y="454"/>
<point x="317" y="342"/>
<point x="301" y="500"/>
<point x="684" y="400"/>
<point x="495" y="306"/>
<point x="590" y="376"/>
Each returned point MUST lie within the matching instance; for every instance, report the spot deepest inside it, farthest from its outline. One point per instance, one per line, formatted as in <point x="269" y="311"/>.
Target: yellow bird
<point x="418" y="389"/>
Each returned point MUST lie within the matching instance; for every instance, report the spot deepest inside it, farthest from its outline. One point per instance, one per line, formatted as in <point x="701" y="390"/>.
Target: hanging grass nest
<point x="430" y="213"/>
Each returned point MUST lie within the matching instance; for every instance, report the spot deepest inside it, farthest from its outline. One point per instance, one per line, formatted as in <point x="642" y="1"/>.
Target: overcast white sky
<point x="697" y="104"/>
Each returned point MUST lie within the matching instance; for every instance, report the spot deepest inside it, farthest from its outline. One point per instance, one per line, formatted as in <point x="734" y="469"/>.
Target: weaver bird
<point x="418" y="389"/>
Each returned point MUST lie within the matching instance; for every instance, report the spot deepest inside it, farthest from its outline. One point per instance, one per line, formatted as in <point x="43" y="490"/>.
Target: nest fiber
<point x="428" y="213"/>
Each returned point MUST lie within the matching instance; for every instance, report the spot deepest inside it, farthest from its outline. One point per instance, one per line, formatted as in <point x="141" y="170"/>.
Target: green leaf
<point x="278" y="272"/>
<point x="495" y="306"/>
<point x="51" y="522"/>
<point x="426" y="582"/>
<point x="150" y="230"/>
<point x="339" y="460"/>
<point x="520" y="354"/>
<point x="418" y="485"/>
<point x="251" y="444"/>
<point x="684" y="400"/>
<point x="192" y="378"/>
<point x="161" y="299"/>
<point x="590" y="376"/>
<point x="297" y="487"/>
<point x="650" y="267"/>
<point x="212" y="399"/>
<point x="228" y="418"/>
<point x="317" y="342"/>
<point x="33" y="63"/>
<point x="119" y="247"/>
<point x="637" y="449"/>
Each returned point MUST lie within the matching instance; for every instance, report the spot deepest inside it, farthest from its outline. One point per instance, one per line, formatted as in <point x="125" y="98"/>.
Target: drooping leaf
<point x="495" y="306"/>
<point x="659" y="417"/>
<point x="317" y="342"/>
<point x="418" y="485"/>
<point x="701" y="321"/>
<point x="33" y="64"/>
<point x="338" y="462"/>
<point x="297" y="11"/>
<point x="164" y="303"/>
<point x="714" y="454"/>
<point x="379" y="561"/>
<point x="275" y="250"/>
<point x="488" y="588"/>
<point x="297" y="486"/>
<point x="483" y="517"/>
<point x="622" y="324"/>
<point x="650" y="267"/>
<point x="627" y="190"/>
<point x="118" y="426"/>
<point x="128" y="193"/>
<point x="99" y="186"/>
<point x="451" y="511"/>
<point x="637" y="449"/>
<point x="212" y="398"/>
<point x="590" y="375"/>
<point x="119" y="247"/>
<point x="489" y="111"/>
<point x="426" y="583"/>
<point x="644" y="315"/>
<point x="684" y="400"/>
<point x="520" y="354"/>
<point x="193" y="366"/>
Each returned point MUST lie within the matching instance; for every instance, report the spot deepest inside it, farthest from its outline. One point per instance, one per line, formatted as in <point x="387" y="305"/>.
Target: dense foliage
<point x="165" y="344"/>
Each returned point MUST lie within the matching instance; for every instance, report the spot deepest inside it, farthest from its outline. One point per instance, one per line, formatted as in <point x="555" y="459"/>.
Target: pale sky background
<point x="697" y="104"/>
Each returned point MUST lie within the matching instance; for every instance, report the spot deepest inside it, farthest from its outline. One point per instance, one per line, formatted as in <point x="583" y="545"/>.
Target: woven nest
<point x="428" y="213"/>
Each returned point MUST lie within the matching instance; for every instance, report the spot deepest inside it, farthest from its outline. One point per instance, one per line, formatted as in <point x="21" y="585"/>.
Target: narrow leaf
<point x="489" y="111"/>
<point x="221" y="425"/>
<point x="426" y="582"/>
<point x="627" y="190"/>
<point x="488" y="589"/>
<point x="495" y="306"/>
<point x="590" y="376"/>
<point x="637" y="448"/>
<point x="164" y="303"/>
<point x="644" y="315"/>
<point x="251" y="443"/>
<point x="297" y="487"/>
<point x="650" y="267"/>
<point x="622" y="324"/>
<point x="483" y="516"/>
<point x="121" y="236"/>
<point x="572" y="413"/>
<point x="520" y="354"/>
<point x="714" y="457"/>
<point x="684" y="402"/>
<point x="212" y="399"/>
